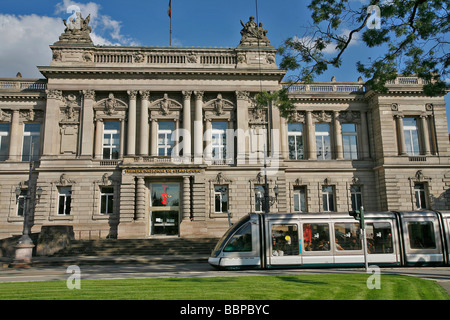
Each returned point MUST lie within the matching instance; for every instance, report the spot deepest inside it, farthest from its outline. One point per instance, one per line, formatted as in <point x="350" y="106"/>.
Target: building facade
<point x="135" y="142"/>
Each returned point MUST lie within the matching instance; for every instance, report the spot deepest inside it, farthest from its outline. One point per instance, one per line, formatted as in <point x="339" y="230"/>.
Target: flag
<point x="169" y="11"/>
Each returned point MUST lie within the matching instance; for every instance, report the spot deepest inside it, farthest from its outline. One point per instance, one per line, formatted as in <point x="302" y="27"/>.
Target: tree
<point x="413" y="35"/>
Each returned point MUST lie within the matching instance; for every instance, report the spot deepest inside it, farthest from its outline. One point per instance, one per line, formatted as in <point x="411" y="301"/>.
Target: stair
<point x="138" y="247"/>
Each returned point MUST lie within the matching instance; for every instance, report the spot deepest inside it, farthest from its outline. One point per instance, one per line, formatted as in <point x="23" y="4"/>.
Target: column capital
<point x="132" y="94"/>
<point x="242" y="95"/>
<point x="145" y="94"/>
<point x="89" y="94"/>
<point x="199" y="95"/>
<point x="186" y="95"/>
<point x="54" y="94"/>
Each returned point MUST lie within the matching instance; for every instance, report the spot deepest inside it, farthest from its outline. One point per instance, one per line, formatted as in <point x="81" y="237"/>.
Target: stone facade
<point x="103" y="120"/>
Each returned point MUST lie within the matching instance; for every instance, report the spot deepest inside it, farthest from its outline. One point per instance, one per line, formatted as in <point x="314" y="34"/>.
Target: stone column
<point x="52" y="114"/>
<point x="198" y="127"/>
<point x="311" y="136"/>
<point x="131" y="126"/>
<point x="176" y="138"/>
<point x="187" y="134"/>
<point x="87" y="133"/>
<point x="208" y="139"/>
<point x="122" y="138"/>
<point x="186" y="198"/>
<point x="242" y="126"/>
<point x="284" y="138"/>
<point x="401" y="135"/>
<point x="144" y="134"/>
<point x="98" y="138"/>
<point x="425" y="134"/>
<point x="14" y="139"/>
<point x="338" y="137"/>
<point x="154" y="134"/>
<point x="140" y="199"/>
<point x="364" y="136"/>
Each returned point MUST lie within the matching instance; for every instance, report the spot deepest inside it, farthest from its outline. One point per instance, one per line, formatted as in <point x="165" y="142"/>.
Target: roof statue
<point x="77" y="31"/>
<point x="253" y="34"/>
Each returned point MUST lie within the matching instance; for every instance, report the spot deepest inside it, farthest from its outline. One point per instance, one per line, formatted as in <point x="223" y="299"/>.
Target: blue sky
<point x="28" y="27"/>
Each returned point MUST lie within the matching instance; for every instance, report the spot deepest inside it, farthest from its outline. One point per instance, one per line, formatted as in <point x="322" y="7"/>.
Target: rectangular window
<point x="219" y="140"/>
<point x="106" y="200"/>
<point x="300" y="199"/>
<point x="411" y="136"/>
<point x="259" y="198"/>
<point x="350" y="141"/>
<point x="347" y="236"/>
<point x="421" y="235"/>
<point x="111" y="139"/>
<point x="22" y="203"/>
<point x="356" y="195"/>
<point x="165" y="143"/>
<point x="316" y="237"/>
<point x="379" y="237"/>
<point x="64" y="200"/>
<point x="31" y="141"/>
<point x="241" y="240"/>
<point x="220" y="199"/>
<point x="295" y="141"/>
<point x="420" y="194"/>
<point x="323" y="146"/>
<point x="285" y="240"/>
<point x="4" y="141"/>
<point x="328" y="198"/>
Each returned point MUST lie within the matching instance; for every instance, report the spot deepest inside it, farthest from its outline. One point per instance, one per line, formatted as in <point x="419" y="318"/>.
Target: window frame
<point x="220" y="194"/>
<point x="107" y="196"/>
<point x="167" y="145"/>
<point x="298" y="137"/>
<point x="347" y="143"/>
<point x="328" y="196"/>
<point x="33" y="136"/>
<point x="222" y="140"/>
<point x="325" y="142"/>
<point x="114" y="150"/>
<point x="67" y="198"/>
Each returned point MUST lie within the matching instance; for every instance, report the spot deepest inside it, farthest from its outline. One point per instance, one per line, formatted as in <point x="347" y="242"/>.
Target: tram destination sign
<point x="163" y="171"/>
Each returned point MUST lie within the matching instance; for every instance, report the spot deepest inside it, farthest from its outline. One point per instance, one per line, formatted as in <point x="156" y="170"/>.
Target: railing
<point x="23" y="85"/>
<point x="325" y="87"/>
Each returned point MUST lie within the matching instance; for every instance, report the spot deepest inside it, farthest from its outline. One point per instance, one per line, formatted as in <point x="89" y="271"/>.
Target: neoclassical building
<point x="135" y="142"/>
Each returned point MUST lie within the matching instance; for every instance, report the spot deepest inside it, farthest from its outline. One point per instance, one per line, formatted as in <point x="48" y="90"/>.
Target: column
<point x="198" y="127"/>
<point x="140" y="199"/>
<point x="122" y="138"/>
<point x="338" y="137"/>
<point x="187" y="134"/>
<point x="176" y="146"/>
<point x="311" y="136"/>
<point x="186" y="198"/>
<point x="208" y="139"/>
<point x="144" y="134"/>
<point x="284" y="138"/>
<point x="52" y="113"/>
<point x="98" y="138"/>
<point x="87" y="133"/>
<point x="364" y="136"/>
<point x="14" y="139"/>
<point x="131" y="128"/>
<point x="242" y="126"/>
<point x="400" y="135"/>
<point x="154" y="134"/>
<point x="425" y="134"/>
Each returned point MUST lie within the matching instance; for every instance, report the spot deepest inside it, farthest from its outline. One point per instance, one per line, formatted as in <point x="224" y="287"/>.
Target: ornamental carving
<point x="253" y="34"/>
<point x="349" y="116"/>
<point x="70" y="112"/>
<point x="322" y="116"/>
<point x="77" y="30"/>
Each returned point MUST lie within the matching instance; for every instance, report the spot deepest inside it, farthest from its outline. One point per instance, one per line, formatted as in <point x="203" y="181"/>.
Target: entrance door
<point x="164" y="208"/>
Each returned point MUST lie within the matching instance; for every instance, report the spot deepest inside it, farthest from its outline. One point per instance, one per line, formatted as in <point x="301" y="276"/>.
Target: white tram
<point x="334" y="240"/>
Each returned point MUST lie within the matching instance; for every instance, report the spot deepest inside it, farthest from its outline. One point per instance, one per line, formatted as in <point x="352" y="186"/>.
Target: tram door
<point x="285" y="244"/>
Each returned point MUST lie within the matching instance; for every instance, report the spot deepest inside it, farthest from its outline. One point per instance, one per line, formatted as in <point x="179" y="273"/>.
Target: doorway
<point x="164" y="208"/>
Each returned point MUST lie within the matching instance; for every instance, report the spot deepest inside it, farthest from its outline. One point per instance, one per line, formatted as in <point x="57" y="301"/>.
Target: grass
<point x="296" y="287"/>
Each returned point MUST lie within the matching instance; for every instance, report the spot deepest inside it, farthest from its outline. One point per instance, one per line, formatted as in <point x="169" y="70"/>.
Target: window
<point x="421" y="235"/>
<point x="349" y="141"/>
<point x="300" y="199"/>
<point x="64" y="200"/>
<point x="419" y="192"/>
<point x="165" y="143"/>
<point x="31" y="140"/>
<point x="4" y="141"/>
<point x="347" y="236"/>
<point x="316" y="237"/>
<point x="22" y="203"/>
<point x="379" y="237"/>
<point x="241" y="240"/>
<point x="295" y="141"/>
<point x="259" y="198"/>
<point x="220" y="199"/>
<point x="219" y="140"/>
<point x="111" y="139"/>
<point x="323" y="147"/>
<point x="285" y="240"/>
<point x="411" y="136"/>
<point x="106" y="200"/>
<point x="356" y="195"/>
<point x="328" y="198"/>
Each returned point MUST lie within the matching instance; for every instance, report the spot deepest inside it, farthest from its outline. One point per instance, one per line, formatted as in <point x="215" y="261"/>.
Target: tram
<point x="296" y="240"/>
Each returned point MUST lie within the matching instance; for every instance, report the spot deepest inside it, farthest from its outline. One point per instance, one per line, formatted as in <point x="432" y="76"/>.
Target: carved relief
<point x="322" y="116"/>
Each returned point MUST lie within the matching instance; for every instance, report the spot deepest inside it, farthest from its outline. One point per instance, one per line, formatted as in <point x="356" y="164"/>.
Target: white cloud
<point x="25" y="39"/>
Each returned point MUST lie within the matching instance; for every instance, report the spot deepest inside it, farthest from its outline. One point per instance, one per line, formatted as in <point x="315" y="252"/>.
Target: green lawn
<point x="302" y="287"/>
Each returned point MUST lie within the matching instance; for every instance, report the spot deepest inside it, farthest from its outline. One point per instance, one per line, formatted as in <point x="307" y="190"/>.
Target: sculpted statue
<point x="253" y="34"/>
<point x="77" y="30"/>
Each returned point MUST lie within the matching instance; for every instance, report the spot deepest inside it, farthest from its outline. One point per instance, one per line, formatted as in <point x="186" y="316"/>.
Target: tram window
<point x="379" y="237"/>
<point x="241" y="240"/>
<point x="421" y="235"/>
<point x="347" y="236"/>
<point x="285" y="240"/>
<point x="316" y="237"/>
